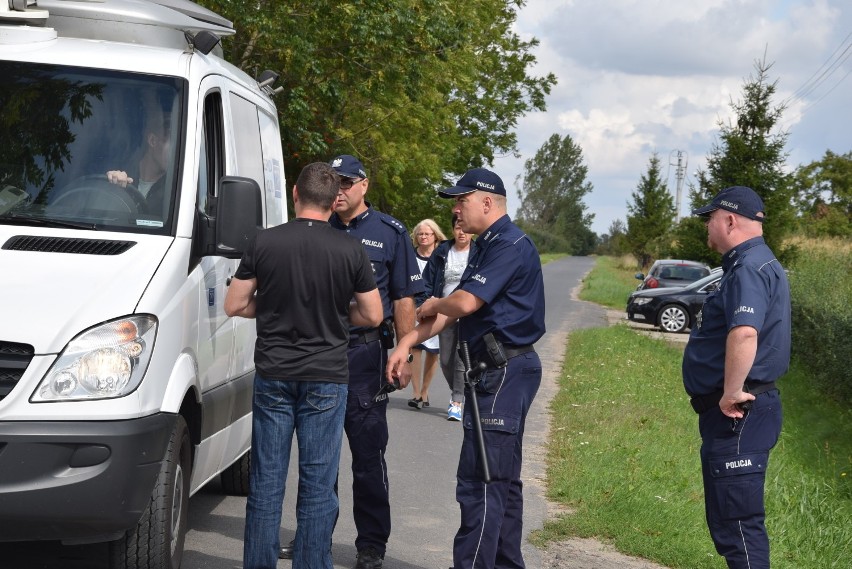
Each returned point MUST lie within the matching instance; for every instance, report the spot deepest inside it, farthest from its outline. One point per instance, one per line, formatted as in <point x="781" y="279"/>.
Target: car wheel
<point x="235" y="478"/>
<point x="673" y="318"/>
<point x="157" y="540"/>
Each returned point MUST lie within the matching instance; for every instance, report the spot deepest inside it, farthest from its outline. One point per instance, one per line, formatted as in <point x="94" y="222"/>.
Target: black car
<point x="672" y="309"/>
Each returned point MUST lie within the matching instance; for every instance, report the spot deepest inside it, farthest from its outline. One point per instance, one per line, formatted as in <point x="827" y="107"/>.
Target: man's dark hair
<point x="318" y="185"/>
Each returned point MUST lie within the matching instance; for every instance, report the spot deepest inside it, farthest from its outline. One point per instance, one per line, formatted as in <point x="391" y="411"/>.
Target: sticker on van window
<point x="211" y="296"/>
<point x="272" y="176"/>
<point x="149" y="223"/>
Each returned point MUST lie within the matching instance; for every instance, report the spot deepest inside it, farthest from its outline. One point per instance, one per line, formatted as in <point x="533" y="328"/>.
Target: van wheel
<point x="235" y="478"/>
<point x="157" y="540"/>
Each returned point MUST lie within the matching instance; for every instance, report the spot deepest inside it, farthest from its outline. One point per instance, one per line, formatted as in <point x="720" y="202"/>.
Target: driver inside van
<point x="148" y="174"/>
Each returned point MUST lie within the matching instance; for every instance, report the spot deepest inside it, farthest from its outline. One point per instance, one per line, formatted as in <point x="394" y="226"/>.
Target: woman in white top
<point x="441" y="277"/>
<point x="425" y="236"/>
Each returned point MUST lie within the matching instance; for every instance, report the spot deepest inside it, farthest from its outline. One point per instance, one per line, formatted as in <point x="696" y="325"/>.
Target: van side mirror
<point x="239" y="215"/>
<point x="639" y="276"/>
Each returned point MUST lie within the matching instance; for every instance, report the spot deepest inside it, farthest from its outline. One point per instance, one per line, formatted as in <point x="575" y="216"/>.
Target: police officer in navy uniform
<point x="736" y="352"/>
<point x="499" y="303"/>
<point x="398" y="277"/>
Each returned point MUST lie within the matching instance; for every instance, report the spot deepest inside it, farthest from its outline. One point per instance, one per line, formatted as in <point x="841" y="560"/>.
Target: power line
<point x="828" y="68"/>
<point x="824" y="95"/>
<point x="834" y="63"/>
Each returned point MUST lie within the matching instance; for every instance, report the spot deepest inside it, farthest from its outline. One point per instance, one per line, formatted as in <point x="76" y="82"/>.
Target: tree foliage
<point x="554" y="186"/>
<point x="824" y="196"/>
<point x="419" y="90"/>
<point x="750" y="152"/>
<point x="32" y="154"/>
<point x="650" y="216"/>
<point x="614" y="242"/>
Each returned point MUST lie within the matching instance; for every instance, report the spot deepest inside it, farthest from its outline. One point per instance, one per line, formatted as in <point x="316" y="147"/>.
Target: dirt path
<point x="582" y="553"/>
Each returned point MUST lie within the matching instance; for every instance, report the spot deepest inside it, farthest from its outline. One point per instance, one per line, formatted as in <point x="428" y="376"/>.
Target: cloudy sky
<point x="639" y="76"/>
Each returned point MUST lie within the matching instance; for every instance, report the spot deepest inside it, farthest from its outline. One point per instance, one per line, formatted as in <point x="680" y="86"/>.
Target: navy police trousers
<point x="490" y="533"/>
<point x="734" y="457"/>
<point x="366" y="428"/>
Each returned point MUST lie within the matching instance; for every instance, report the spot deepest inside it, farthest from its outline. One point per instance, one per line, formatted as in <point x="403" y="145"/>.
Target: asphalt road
<point x="422" y="459"/>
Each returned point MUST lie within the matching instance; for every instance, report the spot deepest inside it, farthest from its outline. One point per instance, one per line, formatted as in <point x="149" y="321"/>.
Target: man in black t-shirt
<point x="305" y="283"/>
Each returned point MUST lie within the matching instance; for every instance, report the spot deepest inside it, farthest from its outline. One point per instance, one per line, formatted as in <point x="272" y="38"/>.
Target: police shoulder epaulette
<point x="393" y="222"/>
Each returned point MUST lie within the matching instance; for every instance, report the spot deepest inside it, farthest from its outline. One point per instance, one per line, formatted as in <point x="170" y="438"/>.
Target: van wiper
<point x="26" y="219"/>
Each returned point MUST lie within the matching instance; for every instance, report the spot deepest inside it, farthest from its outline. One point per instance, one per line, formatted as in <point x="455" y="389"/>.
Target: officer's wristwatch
<point x="410" y="357"/>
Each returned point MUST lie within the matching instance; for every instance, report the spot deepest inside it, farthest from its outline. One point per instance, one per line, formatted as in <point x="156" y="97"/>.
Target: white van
<point x="135" y="164"/>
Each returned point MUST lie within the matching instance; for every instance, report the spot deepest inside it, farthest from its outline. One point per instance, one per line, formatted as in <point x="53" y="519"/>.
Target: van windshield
<point x="88" y="148"/>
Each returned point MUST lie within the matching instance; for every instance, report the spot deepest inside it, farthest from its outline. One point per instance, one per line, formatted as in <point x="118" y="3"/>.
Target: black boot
<point x="369" y="558"/>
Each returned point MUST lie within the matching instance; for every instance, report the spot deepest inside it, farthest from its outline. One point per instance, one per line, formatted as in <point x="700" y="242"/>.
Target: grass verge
<point x="610" y="283"/>
<point x="623" y="458"/>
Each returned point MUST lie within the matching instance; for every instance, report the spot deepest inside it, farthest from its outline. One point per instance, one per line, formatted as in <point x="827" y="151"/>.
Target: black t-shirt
<point x="307" y="273"/>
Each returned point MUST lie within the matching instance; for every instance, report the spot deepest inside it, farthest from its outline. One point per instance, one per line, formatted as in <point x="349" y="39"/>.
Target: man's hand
<point x="428" y="308"/>
<point x="119" y="178"/>
<point x="398" y="367"/>
<point x="730" y="403"/>
<point x="740" y="350"/>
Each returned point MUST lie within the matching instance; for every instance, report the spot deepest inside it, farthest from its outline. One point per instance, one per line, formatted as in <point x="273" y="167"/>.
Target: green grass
<point x="623" y="458"/>
<point x="609" y="283"/>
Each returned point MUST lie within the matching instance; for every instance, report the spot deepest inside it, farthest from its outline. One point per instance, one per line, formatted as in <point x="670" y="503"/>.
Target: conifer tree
<point x="750" y="152"/>
<point x="650" y="216"/>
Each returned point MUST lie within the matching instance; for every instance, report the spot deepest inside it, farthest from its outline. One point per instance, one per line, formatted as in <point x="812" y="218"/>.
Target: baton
<point x="477" y="426"/>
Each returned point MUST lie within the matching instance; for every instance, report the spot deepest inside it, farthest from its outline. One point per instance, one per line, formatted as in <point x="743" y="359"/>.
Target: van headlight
<point x="107" y="361"/>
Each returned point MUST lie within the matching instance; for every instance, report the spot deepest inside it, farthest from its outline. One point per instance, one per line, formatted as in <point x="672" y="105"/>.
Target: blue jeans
<point x="314" y="410"/>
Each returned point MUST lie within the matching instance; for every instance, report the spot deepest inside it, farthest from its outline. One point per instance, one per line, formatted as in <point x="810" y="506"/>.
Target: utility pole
<point x="680" y="170"/>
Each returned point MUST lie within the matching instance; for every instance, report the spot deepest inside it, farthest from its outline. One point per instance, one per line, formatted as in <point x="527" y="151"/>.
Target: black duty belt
<point x="508" y="351"/>
<point x="364" y="337"/>
<point x="702" y="403"/>
<point x="512" y="351"/>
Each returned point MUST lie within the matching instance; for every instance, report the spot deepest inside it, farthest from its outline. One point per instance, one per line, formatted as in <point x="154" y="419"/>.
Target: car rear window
<point x="684" y="273"/>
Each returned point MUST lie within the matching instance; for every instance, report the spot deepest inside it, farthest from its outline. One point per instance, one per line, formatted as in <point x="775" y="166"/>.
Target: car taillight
<point x="653" y="283"/>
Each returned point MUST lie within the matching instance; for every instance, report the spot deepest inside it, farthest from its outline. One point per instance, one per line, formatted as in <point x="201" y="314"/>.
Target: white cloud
<point x="637" y="77"/>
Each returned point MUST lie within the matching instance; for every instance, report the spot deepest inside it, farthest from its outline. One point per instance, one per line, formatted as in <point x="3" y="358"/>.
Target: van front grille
<point x="14" y="359"/>
<point x="67" y="245"/>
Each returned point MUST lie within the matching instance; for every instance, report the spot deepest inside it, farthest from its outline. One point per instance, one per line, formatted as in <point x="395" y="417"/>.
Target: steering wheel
<point x="96" y="192"/>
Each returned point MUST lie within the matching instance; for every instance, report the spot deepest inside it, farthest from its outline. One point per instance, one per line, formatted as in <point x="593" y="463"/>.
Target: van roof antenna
<point x="266" y="80"/>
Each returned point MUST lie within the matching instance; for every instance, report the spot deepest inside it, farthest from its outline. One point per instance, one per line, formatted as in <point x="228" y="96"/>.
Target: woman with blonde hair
<point x="425" y="237"/>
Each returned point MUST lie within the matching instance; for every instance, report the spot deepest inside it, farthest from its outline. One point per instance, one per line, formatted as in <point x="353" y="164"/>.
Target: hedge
<point x="821" y="290"/>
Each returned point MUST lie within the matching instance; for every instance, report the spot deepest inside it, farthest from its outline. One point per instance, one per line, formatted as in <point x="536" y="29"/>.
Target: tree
<point x="419" y="90"/>
<point x="650" y="216"/>
<point x="824" y="195"/>
<point x="33" y="154"/>
<point x="750" y="152"/>
<point x="614" y="241"/>
<point x="552" y="194"/>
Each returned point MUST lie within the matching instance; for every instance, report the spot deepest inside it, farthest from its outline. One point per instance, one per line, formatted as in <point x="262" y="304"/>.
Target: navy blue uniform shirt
<point x="753" y="292"/>
<point x="389" y="248"/>
<point x="504" y="270"/>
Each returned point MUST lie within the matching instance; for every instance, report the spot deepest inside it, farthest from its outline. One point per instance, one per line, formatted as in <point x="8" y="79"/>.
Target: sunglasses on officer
<point x="347" y="183"/>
